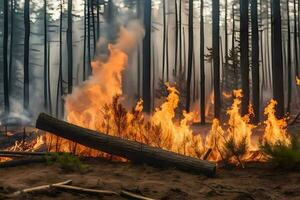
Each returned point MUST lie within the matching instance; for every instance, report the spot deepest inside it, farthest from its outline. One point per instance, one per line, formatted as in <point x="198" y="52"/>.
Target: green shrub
<point x="283" y="156"/>
<point x="67" y="162"/>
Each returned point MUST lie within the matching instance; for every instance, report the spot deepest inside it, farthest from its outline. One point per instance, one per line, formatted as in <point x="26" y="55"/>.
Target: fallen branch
<point x="133" y="196"/>
<point x="11" y="156"/>
<point x="38" y="188"/>
<point x="133" y="151"/>
<point x="16" y="163"/>
<point x="85" y="190"/>
<point x="24" y="153"/>
<point x="207" y="154"/>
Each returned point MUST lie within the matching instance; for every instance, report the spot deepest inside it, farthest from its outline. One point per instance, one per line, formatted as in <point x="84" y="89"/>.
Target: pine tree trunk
<point x="180" y="39"/>
<point x="277" y="70"/>
<point x="89" y="37"/>
<point x="289" y="59"/>
<point x="244" y="36"/>
<point x="202" y="66"/>
<point x="226" y="35"/>
<point x="5" y="64"/>
<point x="12" y="19"/>
<point x="176" y="40"/>
<point x="93" y="25"/>
<point x="255" y="60"/>
<point x="59" y="90"/>
<point x="70" y="47"/>
<point x="190" y="55"/>
<point x="26" y="53"/>
<point x="48" y="80"/>
<point x="45" y="58"/>
<point x="98" y="19"/>
<point x="216" y="56"/>
<point x="164" y="41"/>
<point x="84" y="43"/>
<point x="295" y="40"/>
<point x="147" y="57"/>
<point x="233" y="48"/>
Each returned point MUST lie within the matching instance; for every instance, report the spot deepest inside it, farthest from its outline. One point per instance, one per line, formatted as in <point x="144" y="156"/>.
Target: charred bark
<point x="133" y="151"/>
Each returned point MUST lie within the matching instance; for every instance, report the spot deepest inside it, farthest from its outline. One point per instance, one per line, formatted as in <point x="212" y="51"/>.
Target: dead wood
<point x="133" y="196"/>
<point x="16" y="163"/>
<point x="85" y="190"/>
<point x="38" y="188"/>
<point x="133" y="151"/>
<point x="24" y="153"/>
<point x="207" y="154"/>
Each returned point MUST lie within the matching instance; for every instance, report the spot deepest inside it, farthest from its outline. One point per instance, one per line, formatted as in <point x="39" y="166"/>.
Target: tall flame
<point x="275" y="131"/>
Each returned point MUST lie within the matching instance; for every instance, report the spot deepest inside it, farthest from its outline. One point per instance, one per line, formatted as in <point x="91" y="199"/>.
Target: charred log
<point x="131" y="150"/>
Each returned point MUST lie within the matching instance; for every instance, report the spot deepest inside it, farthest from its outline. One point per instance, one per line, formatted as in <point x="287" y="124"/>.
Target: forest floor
<point x="254" y="182"/>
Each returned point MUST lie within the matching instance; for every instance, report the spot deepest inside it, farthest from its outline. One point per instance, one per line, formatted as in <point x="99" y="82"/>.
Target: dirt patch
<point x="251" y="183"/>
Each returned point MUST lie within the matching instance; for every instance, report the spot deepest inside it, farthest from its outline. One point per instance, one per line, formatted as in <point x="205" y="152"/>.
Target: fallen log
<point x="131" y="150"/>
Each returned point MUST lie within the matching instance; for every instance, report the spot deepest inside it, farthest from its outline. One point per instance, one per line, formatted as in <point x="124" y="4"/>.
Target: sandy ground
<point x="257" y="182"/>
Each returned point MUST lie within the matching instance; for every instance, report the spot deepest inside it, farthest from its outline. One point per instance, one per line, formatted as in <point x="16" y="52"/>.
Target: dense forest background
<point x="207" y="47"/>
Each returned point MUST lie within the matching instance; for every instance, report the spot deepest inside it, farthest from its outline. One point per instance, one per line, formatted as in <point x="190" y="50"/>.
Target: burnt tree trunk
<point x="202" y="66"/>
<point x="255" y="60"/>
<point x="277" y="69"/>
<point x="190" y="56"/>
<point x="289" y="59"/>
<point x="70" y="47"/>
<point x="26" y="53"/>
<point x="5" y="64"/>
<point x="244" y="36"/>
<point x="133" y="151"/>
<point x="45" y="58"/>
<point x="216" y="56"/>
<point x="147" y="57"/>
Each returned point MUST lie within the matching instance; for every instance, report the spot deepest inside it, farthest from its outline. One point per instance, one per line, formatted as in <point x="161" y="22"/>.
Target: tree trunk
<point x="164" y="42"/>
<point x="89" y="37"/>
<point x="216" y="56"/>
<point x="289" y="59"/>
<point x="277" y="70"/>
<point x="12" y="19"/>
<point x="70" y="47"/>
<point x="93" y="25"/>
<point x="5" y="64"/>
<point x="244" y="36"/>
<point x="255" y="61"/>
<point x="133" y="151"/>
<point x="147" y="57"/>
<point x="98" y="19"/>
<point x="190" y="56"/>
<point x="48" y="80"/>
<point x="176" y="40"/>
<point x="180" y="39"/>
<point x="45" y="58"/>
<point x="59" y="90"/>
<point x="202" y="66"/>
<point x="295" y="39"/>
<point x="84" y="43"/>
<point x="26" y="53"/>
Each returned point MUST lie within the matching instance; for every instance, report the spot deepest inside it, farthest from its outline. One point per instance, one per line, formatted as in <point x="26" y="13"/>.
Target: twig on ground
<point x="133" y="196"/>
<point x="38" y="188"/>
<point x="85" y="190"/>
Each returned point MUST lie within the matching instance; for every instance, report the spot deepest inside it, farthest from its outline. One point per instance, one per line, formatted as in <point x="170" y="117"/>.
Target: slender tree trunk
<point x="216" y="56"/>
<point x="167" y="53"/>
<point x="98" y="19"/>
<point x="268" y="69"/>
<point x="176" y="40"/>
<point x="202" y="66"/>
<point x="70" y="47"/>
<point x="45" y="57"/>
<point x="289" y="59"/>
<point x="147" y="57"/>
<point x="226" y="35"/>
<point x="244" y="36"/>
<point x="49" y="78"/>
<point x="26" y="53"/>
<point x="11" y="49"/>
<point x="89" y="37"/>
<point x="5" y="64"/>
<point x="295" y="39"/>
<point x="59" y="91"/>
<point x="84" y="43"/>
<point x="233" y="48"/>
<point x="190" y="56"/>
<point x="180" y="39"/>
<point x="277" y="71"/>
<point x="93" y="25"/>
<point x="262" y="47"/>
<point x="255" y="60"/>
<point x="164" y="41"/>
<point x="139" y="16"/>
